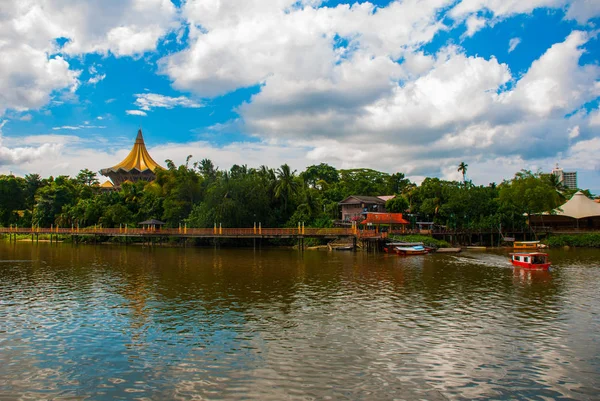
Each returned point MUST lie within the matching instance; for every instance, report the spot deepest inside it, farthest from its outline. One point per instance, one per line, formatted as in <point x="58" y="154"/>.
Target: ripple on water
<point x="234" y="324"/>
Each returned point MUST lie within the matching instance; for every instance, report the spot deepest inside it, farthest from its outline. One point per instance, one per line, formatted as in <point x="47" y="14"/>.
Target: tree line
<point x="200" y="194"/>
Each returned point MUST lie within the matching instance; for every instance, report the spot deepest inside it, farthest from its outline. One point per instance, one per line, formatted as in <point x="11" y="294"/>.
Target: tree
<point x="462" y="167"/>
<point x="12" y="195"/>
<point x="529" y="193"/>
<point x="286" y="185"/>
<point x="397" y="182"/>
<point x="315" y="176"/>
<point x="398" y="204"/>
<point x="363" y="181"/>
<point x="86" y="177"/>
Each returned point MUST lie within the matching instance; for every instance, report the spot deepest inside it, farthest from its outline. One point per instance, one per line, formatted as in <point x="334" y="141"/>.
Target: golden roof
<point x="107" y="184"/>
<point x="138" y="159"/>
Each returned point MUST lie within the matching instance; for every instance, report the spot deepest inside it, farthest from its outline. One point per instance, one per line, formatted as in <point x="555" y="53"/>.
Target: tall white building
<point x="567" y="178"/>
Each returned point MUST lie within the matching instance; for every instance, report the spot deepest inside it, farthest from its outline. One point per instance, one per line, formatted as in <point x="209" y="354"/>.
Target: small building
<point x="106" y="186"/>
<point x="391" y="221"/>
<point x="355" y="207"/>
<point x="138" y="165"/>
<point x="152" y="224"/>
<point x="579" y="212"/>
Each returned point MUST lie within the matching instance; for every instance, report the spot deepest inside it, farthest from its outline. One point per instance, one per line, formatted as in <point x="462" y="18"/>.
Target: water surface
<point x="110" y="322"/>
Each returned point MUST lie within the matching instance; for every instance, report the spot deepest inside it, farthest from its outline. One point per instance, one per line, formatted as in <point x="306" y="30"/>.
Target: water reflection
<point x="164" y="323"/>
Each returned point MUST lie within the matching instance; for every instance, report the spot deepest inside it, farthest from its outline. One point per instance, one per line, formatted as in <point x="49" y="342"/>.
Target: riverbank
<point x="425" y="239"/>
<point x="579" y="240"/>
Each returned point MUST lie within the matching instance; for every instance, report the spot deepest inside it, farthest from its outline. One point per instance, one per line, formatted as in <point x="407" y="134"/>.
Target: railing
<point x="184" y="231"/>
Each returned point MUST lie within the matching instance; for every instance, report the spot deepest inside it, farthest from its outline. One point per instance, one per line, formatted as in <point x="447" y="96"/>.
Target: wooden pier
<point x="150" y="234"/>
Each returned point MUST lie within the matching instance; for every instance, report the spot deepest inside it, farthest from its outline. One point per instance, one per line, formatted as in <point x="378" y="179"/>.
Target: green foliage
<point x="426" y="240"/>
<point x="12" y="193"/>
<point x="462" y="168"/>
<point x="201" y="195"/>
<point x="529" y="193"/>
<point x="579" y="240"/>
<point x="398" y="204"/>
<point x="363" y="181"/>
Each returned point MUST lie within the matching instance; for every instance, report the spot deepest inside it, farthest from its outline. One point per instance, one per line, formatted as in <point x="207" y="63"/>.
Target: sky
<point x="412" y="86"/>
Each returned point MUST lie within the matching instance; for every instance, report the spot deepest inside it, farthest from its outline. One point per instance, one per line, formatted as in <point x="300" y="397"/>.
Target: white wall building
<point x="567" y="178"/>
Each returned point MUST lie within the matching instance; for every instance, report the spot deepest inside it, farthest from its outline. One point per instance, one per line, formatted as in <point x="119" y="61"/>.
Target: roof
<point x="579" y="207"/>
<point x="384" y="218"/>
<point x="354" y="199"/>
<point x="107" y="184"/>
<point x="386" y="198"/>
<point x="137" y="159"/>
<point x="152" y="222"/>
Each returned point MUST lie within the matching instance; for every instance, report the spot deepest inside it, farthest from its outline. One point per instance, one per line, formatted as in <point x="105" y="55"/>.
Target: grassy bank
<point x="580" y="240"/>
<point x="429" y="241"/>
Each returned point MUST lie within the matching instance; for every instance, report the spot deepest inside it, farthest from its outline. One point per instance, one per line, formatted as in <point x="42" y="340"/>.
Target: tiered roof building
<point x="138" y="165"/>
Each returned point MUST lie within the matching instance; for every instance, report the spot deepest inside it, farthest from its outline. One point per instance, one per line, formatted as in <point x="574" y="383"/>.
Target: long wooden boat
<point x="530" y="260"/>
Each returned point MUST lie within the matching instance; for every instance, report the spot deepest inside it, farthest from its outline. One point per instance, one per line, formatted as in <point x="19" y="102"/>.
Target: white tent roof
<point x="579" y="207"/>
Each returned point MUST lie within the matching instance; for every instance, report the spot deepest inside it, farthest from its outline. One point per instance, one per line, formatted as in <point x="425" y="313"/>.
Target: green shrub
<point x="580" y="240"/>
<point x="426" y="240"/>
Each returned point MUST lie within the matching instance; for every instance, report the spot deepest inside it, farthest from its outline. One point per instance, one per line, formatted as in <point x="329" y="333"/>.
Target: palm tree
<point x="462" y="167"/>
<point x="554" y="181"/>
<point x="286" y="185"/>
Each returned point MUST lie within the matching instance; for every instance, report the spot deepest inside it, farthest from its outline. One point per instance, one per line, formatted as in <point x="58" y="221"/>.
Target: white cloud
<point x="237" y="45"/>
<point x="583" y="10"/>
<point x="29" y="77"/>
<point x="96" y="78"/>
<point x="122" y="27"/>
<point x="502" y="8"/>
<point x="556" y="83"/>
<point x="77" y="127"/>
<point x="136" y="113"/>
<point x="17" y="156"/>
<point x="513" y="43"/>
<point x="30" y="69"/>
<point x="474" y="24"/>
<point x="148" y="101"/>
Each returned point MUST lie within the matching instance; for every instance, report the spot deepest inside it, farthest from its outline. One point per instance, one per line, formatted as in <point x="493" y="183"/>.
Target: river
<point x="112" y="322"/>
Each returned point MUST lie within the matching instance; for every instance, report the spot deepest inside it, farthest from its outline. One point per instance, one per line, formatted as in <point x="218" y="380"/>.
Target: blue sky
<point x="409" y="86"/>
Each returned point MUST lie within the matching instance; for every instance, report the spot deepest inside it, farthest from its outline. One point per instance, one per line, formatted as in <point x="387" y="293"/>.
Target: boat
<point x="340" y="247"/>
<point x="390" y="246"/>
<point x="343" y="248"/>
<point x="410" y="250"/>
<point x="530" y="260"/>
<point x="449" y="250"/>
<point x="528" y="245"/>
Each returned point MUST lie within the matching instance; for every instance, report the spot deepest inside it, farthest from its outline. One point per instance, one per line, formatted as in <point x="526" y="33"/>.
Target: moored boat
<point x="530" y="260"/>
<point x="391" y="247"/>
<point x="410" y="250"/>
<point x="528" y="245"/>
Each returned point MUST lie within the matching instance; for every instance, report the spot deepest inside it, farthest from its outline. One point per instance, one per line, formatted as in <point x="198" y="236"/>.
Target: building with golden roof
<point x="138" y="165"/>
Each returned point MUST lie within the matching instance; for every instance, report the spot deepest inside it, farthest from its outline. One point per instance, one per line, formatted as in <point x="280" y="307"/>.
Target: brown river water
<point x="112" y="322"/>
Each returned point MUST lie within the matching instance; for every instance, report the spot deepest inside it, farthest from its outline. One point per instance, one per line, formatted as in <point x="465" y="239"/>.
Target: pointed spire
<point x="138" y="158"/>
<point x="139" y="139"/>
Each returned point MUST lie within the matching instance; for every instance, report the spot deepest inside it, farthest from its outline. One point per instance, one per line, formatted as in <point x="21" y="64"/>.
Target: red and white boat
<point x="530" y="260"/>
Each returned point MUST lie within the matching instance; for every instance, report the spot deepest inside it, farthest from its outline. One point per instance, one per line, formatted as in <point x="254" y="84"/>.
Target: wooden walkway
<point x="259" y="232"/>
